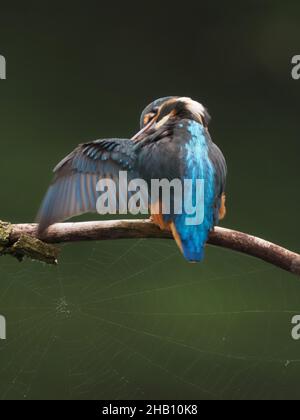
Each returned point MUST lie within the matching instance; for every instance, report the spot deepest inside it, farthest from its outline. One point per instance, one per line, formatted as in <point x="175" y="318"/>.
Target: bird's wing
<point x="73" y="190"/>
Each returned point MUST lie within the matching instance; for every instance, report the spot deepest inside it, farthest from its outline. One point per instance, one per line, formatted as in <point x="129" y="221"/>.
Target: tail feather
<point x="192" y="254"/>
<point x="192" y="250"/>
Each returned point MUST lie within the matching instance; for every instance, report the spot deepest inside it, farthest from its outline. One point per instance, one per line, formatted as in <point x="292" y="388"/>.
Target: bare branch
<point x="129" y="229"/>
<point x="26" y="245"/>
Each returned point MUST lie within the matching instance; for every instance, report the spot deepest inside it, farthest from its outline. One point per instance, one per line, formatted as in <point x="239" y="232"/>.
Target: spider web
<point x="133" y="320"/>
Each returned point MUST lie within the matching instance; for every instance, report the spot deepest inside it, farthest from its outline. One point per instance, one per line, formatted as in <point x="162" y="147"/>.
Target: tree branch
<point x="17" y="236"/>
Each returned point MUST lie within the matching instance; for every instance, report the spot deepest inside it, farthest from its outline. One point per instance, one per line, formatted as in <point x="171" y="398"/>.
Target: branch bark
<point x="129" y="229"/>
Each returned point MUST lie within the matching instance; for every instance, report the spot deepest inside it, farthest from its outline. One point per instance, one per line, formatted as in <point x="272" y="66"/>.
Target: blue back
<point x="197" y="165"/>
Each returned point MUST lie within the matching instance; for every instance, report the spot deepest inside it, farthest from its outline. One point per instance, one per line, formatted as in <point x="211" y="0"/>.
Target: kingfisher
<point x="173" y="143"/>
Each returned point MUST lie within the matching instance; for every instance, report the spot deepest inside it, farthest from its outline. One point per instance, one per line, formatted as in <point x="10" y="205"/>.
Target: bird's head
<point x="163" y="110"/>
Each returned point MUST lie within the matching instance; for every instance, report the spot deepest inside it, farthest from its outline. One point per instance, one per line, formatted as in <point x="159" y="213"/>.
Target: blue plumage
<point x="179" y="146"/>
<point x="197" y="167"/>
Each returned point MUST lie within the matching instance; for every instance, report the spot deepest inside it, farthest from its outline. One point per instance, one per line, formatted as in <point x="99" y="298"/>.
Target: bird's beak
<point x="146" y="128"/>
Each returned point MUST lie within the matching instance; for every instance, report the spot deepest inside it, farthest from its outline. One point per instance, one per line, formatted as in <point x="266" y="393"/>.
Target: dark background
<point x="131" y="319"/>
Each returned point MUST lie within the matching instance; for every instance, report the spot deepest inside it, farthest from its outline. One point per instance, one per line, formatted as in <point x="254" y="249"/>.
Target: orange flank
<point x="157" y="218"/>
<point x="222" y="211"/>
<point x="176" y="236"/>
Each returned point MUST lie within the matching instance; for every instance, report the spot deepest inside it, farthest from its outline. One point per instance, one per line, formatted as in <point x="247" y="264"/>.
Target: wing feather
<point x="73" y="190"/>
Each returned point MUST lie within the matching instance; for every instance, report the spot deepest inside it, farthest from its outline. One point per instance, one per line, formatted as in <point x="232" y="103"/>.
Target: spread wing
<point x="73" y="190"/>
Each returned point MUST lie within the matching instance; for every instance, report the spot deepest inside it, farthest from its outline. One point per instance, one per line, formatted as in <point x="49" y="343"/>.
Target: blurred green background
<point x="131" y="319"/>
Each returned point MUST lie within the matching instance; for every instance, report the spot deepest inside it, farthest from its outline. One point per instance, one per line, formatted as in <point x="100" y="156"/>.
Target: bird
<point x="173" y="143"/>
